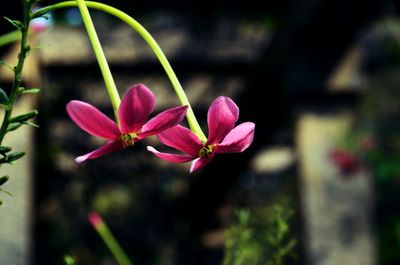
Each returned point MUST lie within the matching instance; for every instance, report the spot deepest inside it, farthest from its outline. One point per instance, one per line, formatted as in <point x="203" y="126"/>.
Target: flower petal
<point x="222" y="116"/>
<point x="92" y="120"/>
<point x="181" y="138"/>
<point x="238" y="139"/>
<point x="109" y="147"/>
<point x="175" y="158"/>
<point x="136" y="106"/>
<point x="163" y="121"/>
<point x="198" y="164"/>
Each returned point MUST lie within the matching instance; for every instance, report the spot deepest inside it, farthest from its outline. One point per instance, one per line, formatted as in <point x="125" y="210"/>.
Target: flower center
<point x="205" y="151"/>
<point x="128" y="139"/>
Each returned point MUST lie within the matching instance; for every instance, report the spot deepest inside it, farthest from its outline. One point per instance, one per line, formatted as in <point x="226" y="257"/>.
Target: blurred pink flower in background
<point x="346" y="161"/>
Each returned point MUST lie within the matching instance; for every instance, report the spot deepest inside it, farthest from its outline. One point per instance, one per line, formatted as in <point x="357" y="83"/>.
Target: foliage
<point x="240" y="246"/>
<point x="264" y="238"/>
<point x="8" y="100"/>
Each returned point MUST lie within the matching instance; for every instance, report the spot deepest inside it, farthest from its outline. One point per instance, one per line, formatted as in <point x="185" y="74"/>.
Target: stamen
<point x="128" y="139"/>
<point x="205" y="151"/>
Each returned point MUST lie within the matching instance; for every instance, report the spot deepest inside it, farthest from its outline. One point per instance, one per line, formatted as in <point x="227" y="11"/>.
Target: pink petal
<point x="181" y="138"/>
<point x="163" y="121"/>
<point x="198" y="164"/>
<point x="238" y="139"/>
<point x="222" y="116"/>
<point x="92" y="120"/>
<point x="136" y="106"/>
<point x="106" y="149"/>
<point x="174" y="158"/>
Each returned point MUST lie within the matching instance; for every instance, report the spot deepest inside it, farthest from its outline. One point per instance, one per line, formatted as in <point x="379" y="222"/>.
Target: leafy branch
<point x="8" y="101"/>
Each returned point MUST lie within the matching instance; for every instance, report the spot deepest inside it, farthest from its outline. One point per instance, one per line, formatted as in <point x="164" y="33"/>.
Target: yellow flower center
<point x="205" y="151"/>
<point x="128" y="139"/>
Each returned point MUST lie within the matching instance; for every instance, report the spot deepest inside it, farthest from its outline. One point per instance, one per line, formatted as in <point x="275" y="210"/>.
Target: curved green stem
<point x="101" y="58"/>
<point x="193" y="123"/>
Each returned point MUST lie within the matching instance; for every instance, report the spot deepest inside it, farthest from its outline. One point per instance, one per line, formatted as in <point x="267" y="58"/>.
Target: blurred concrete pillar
<point x="15" y="213"/>
<point x="337" y="209"/>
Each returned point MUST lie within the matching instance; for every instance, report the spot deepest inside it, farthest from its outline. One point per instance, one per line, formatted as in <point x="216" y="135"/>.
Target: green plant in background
<point x="68" y="260"/>
<point x="240" y="246"/>
<point x="7" y="101"/>
<point x="278" y="236"/>
<point x="261" y="238"/>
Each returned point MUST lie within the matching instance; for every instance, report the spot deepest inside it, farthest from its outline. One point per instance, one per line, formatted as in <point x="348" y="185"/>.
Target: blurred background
<point x="319" y="184"/>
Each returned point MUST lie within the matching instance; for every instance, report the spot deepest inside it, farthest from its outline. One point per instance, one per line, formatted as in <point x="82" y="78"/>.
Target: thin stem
<point x="193" y="123"/>
<point x="101" y="227"/>
<point x="101" y="58"/>
<point x="15" y="89"/>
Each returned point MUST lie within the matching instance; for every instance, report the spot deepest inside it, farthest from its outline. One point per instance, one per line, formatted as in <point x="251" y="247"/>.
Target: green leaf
<point x="34" y="90"/>
<point x="16" y="23"/>
<point x="21" y="89"/>
<point x="4" y="149"/>
<point x="13" y="126"/>
<point x="31" y="124"/>
<point x="1" y="202"/>
<point x="24" y="117"/>
<point x="4" y="179"/>
<point x="12" y="157"/>
<point x="39" y="47"/>
<point x="3" y="97"/>
<point x="6" y="192"/>
<point x="6" y="65"/>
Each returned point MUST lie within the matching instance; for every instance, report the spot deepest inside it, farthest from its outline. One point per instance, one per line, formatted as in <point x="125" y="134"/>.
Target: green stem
<point x="15" y="89"/>
<point x="101" y="227"/>
<point x="101" y="58"/>
<point x="193" y="123"/>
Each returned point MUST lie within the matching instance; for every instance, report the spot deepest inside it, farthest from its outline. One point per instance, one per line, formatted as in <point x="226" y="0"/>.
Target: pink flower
<point x="347" y="162"/>
<point x="136" y="106"/>
<point x="223" y="136"/>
